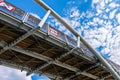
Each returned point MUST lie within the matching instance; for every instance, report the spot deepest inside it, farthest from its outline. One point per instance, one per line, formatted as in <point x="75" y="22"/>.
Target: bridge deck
<point x="45" y="52"/>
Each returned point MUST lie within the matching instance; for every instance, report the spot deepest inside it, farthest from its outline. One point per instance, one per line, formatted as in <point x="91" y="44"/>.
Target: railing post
<point x="66" y="39"/>
<point x="48" y="32"/>
<point x="44" y="19"/>
<point x="25" y="17"/>
<point x="78" y="42"/>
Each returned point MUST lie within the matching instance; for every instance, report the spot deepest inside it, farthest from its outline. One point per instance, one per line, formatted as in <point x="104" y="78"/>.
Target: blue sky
<point x="31" y="6"/>
<point x="98" y="21"/>
<point x="38" y="77"/>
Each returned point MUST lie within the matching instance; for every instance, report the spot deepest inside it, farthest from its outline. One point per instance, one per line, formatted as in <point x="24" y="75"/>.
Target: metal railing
<point x="34" y="21"/>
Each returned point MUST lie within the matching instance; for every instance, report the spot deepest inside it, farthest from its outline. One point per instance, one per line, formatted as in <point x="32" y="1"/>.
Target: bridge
<point x="29" y="44"/>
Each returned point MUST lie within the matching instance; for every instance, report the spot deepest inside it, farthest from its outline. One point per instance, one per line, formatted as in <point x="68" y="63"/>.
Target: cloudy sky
<point x="98" y="21"/>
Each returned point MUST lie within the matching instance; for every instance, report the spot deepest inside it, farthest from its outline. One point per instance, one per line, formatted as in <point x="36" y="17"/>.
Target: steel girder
<point x="80" y="72"/>
<point x="56" y="60"/>
<point x="105" y="77"/>
<point x="48" y="60"/>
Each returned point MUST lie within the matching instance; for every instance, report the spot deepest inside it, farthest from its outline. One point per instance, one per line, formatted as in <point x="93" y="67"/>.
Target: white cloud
<point x="86" y="0"/>
<point x="71" y="2"/>
<point x="107" y="9"/>
<point x="54" y="22"/>
<point x="72" y="22"/>
<point x="106" y="1"/>
<point x="97" y="20"/>
<point x="74" y="12"/>
<point x="94" y="2"/>
<point x="113" y="5"/>
<point x="112" y="14"/>
<point x="106" y="50"/>
<point x="107" y="34"/>
<point x="105" y="17"/>
<point x="102" y="3"/>
<point x="118" y="17"/>
<point x="12" y="74"/>
<point x="89" y="14"/>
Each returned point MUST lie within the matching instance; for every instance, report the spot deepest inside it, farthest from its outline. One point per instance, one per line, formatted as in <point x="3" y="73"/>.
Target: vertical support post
<point x="25" y="17"/>
<point x="78" y="42"/>
<point x="66" y="39"/>
<point x="48" y="32"/>
<point x="44" y="19"/>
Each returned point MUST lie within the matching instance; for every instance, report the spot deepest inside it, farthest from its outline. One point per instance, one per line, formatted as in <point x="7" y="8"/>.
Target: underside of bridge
<point x="45" y="50"/>
<point x="44" y="57"/>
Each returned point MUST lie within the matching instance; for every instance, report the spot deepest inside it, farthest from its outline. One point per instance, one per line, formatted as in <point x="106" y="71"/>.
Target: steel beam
<point x="3" y="28"/>
<point x="11" y="64"/>
<point x="47" y="59"/>
<point x="83" y="72"/>
<point x="19" y="39"/>
<point x="102" y="60"/>
<point x="105" y="77"/>
<point x="56" y="60"/>
<point x="44" y="58"/>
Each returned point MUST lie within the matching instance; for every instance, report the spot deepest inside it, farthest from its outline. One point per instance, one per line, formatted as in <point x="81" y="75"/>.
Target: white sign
<point x="8" y="7"/>
<point x="53" y="31"/>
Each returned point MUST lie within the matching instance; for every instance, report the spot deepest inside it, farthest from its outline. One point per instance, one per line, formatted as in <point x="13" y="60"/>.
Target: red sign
<point x="53" y="31"/>
<point x="1" y="0"/>
<point x="8" y="7"/>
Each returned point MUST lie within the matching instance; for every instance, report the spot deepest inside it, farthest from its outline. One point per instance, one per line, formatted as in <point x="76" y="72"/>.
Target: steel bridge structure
<point x="30" y="44"/>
